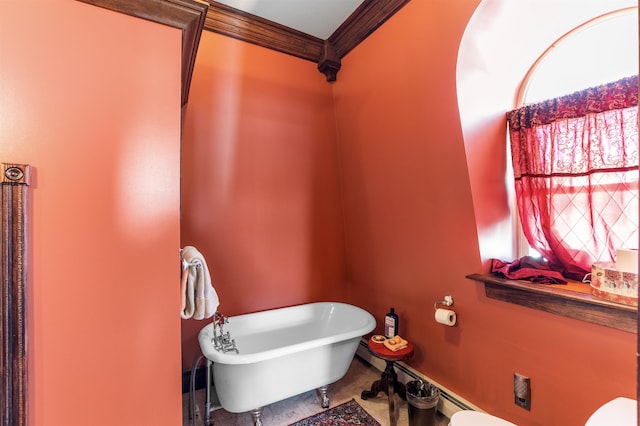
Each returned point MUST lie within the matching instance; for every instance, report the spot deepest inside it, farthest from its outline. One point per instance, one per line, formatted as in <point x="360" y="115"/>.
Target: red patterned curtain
<point x="575" y="163"/>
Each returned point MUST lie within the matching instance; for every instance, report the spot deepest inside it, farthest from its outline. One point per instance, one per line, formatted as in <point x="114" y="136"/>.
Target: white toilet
<point x="619" y="412"/>
<point x="476" y="418"/>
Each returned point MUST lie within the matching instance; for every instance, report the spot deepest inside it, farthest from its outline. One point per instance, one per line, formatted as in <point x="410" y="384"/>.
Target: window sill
<point x="573" y="300"/>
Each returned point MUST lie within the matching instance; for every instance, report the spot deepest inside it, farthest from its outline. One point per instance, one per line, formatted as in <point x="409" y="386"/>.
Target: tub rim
<point x="206" y="333"/>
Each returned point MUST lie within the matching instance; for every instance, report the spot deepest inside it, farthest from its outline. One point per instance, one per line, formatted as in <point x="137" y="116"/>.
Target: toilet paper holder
<point x="448" y="301"/>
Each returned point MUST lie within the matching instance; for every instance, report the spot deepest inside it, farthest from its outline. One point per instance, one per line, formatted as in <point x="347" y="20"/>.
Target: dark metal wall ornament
<point x="14" y="181"/>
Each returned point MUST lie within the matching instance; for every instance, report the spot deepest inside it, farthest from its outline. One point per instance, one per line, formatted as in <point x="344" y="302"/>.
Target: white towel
<point x="199" y="298"/>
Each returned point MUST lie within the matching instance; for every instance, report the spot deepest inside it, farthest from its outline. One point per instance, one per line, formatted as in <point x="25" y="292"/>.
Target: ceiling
<point x="319" y="18"/>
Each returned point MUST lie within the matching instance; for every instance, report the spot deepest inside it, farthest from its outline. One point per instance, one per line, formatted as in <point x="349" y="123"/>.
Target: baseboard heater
<point x="449" y="401"/>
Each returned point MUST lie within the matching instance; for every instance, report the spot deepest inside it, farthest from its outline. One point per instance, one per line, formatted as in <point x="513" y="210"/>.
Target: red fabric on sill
<point x="528" y="268"/>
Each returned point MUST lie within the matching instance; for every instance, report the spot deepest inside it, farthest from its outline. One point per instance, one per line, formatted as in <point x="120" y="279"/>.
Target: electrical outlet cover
<point x="522" y="391"/>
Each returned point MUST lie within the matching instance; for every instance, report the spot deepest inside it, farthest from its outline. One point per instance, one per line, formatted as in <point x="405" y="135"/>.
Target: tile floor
<point x="359" y="377"/>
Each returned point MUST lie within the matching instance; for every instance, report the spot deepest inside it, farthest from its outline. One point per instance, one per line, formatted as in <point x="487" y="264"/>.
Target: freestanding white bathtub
<point x="284" y="352"/>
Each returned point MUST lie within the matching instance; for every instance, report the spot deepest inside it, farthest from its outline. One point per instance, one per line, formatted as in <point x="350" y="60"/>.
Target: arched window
<point x="501" y="43"/>
<point x="575" y="156"/>
<point x="598" y="51"/>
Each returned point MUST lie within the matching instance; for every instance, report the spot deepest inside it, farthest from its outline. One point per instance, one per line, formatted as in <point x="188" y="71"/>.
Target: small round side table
<point x="388" y="382"/>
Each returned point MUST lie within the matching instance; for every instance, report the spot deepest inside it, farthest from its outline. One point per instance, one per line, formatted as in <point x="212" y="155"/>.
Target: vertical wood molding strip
<point x="14" y="181"/>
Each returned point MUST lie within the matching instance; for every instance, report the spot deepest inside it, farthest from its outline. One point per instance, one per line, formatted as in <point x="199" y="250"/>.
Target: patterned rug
<point x="349" y="413"/>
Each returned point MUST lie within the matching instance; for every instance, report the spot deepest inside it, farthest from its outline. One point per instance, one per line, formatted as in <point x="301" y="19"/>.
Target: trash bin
<point x="422" y="398"/>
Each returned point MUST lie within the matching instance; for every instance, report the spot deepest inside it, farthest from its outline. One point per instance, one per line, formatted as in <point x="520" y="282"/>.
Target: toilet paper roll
<point x="446" y="317"/>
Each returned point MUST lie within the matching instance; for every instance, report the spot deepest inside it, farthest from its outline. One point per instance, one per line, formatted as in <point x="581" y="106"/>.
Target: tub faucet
<point x="222" y="341"/>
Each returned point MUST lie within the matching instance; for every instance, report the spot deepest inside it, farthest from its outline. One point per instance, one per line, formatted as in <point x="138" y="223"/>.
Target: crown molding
<point x="185" y="15"/>
<point x="235" y="23"/>
<point x="192" y="16"/>
<point x="231" y="22"/>
<point x="367" y="18"/>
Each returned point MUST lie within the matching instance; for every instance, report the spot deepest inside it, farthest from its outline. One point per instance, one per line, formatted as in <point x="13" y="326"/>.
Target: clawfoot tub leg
<point x="256" y="415"/>
<point x="322" y="394"/>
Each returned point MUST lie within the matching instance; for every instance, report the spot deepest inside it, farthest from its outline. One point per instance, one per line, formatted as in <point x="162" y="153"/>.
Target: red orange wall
<point x="411" y="233"/>
<point x="260" y="181"/>
<point x="91" y="99"/>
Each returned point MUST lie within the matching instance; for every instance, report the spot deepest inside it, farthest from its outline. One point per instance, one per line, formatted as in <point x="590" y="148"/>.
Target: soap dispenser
<point x="391" y="324"/>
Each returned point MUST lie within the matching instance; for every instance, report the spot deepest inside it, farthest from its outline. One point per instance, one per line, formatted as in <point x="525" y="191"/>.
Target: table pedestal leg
<point x="388" y="384"/>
